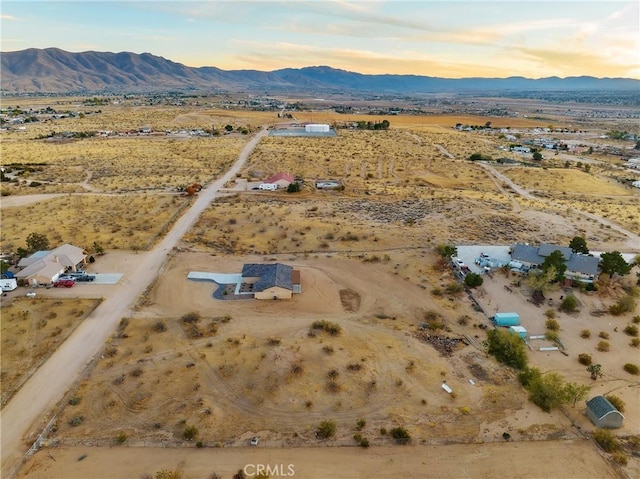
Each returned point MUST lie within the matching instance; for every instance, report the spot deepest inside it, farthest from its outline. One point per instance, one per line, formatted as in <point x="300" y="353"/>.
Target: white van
<point x="268" y="186"/>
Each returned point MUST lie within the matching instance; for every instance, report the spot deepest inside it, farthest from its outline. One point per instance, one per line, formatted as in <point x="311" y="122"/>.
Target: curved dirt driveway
<point x="48" y="385"/>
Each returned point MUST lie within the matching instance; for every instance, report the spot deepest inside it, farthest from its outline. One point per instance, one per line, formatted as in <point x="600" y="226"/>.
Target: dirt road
<point x="47" y="386"/>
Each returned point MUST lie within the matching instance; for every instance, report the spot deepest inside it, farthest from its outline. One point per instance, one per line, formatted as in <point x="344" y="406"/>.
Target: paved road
<point x="48" y="385"/>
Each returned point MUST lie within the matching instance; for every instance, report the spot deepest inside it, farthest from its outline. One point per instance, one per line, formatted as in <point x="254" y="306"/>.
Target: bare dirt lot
<point x="573" y="459"/>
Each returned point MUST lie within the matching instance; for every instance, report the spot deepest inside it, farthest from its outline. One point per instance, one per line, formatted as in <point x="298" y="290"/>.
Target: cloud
<point x="569" y="63"/>
<point x="7" y="17"/>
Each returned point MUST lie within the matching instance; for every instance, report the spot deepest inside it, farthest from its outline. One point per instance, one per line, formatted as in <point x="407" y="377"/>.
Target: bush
<point x="569" y="304"/>
<point x="453" y="288"/>
<point x="631" y="330"/>
<point x="603" y="346"/>
<point x="616" y="401"/>
<point x="632" y="369"/>
<point x="606" y="440"/>
<point x="528" y="375"/>
<point x="635" y="342"/>
<point x="191" y="317"/>
<point x="401" y="435"/>
<point x="620" y="458"/>
<point x="552" y="325"/>
<point x="550" y="313"/>
<point x="626" y="304"/>
<point x="507" y="348"/>
<point x="603" y="335"/>
<point x="328" y="327"/>
<point x="74" y="401"/>
<point x="122" y="437"/>
<point x="636" y="320"/>
<point x="76" y="421"/>
<point x="159" y="326"/>
<point x="383" y="431"/>
<point x="473" y="280"/>
<point x="585" y="333"/>
<point x="360" y="424"/>
<point x="326" y="429"/>
<point x="584" y="358"/>
<point x="190" y="432"/>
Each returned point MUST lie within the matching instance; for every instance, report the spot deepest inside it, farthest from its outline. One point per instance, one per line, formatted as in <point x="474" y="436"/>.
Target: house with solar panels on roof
<point x="270" y="281"/>
<point x="580" y="267"/>
<point x="603" y="414"/>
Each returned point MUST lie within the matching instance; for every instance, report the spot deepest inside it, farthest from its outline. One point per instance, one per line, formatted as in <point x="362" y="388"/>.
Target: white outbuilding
<point x="316" y="128"/>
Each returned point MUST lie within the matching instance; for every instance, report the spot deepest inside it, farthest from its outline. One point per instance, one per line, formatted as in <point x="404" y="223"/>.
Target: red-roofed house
<point x="283" y="180"/>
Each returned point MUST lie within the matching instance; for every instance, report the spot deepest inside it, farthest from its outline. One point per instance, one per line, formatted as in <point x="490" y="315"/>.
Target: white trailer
<point x="8" y="284"/>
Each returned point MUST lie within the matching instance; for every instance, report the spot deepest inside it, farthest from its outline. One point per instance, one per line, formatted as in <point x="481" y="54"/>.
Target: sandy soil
<point x="577" y="459"/>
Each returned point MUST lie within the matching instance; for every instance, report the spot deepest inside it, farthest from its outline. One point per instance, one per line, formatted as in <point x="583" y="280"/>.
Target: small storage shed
<point x="519" y="330"/>
<point x="506" y="319"/>
<point x="603" y="414"/>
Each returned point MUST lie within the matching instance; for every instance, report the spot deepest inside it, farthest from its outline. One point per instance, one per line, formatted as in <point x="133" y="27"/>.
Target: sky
<point x="451" y="39"/>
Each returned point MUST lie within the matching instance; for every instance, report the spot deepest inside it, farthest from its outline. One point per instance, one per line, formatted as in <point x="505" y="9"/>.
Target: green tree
<point x="613" y="263"/>
<point x="575" y="392"/>
<point x="293" y="187"/>
<point x="401" y="435"/>
<point x="547" y="391"/>
<point x="98" y="248"/>
<point x="569" y="304"/>
<point x="476" y="157"/>
<point x="37" y="242"/>
<point x="446" y="251"/>
<point x="540" y="281"/>
<point x="508" y="348"/>
<point x="537" y="156"/>
<point x="473" y="280"/>
<point x="579" y="245"/>
<point x="228" y="128"/>
<point x="556" y="260"/>
<point x="190" y="432"/>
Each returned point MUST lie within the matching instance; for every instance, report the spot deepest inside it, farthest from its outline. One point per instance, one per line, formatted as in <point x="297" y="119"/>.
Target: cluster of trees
<point x="369" y="125"/>
<point x="547" y="390"/>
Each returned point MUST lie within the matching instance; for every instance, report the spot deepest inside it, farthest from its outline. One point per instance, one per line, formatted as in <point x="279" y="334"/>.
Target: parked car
<point x="31" y="294"/>
<point x="76" y="273"/>
<point x="85" y="277"/>
<point x="64" y="283"/>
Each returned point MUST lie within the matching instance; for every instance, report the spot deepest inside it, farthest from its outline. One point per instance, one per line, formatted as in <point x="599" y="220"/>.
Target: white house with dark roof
<point x="270" y="281"/>
<point x="44" y="267"/>
<point x="580" y="267"/>
<point x="603" y="414"/>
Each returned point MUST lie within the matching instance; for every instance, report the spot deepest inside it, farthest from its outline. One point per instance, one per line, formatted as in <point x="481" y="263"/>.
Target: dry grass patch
<point x="560" y="180"/>
<point x="32" y="329"/>
<point x="135" y="221"/>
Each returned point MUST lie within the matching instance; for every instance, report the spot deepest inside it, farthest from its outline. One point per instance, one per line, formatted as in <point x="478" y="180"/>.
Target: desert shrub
<point x="547" y="391"/>
<point x="603" y="346"/>
<point x="436" y="292"/>
<point x="328" y="327"/>
<point x="76" y="421"/>
<point x="360" y="424"/>
<point x="122" y="437"/>
<point x="74" y="401"/>
<point x="463" y="320"/>
<point x="631" y="330"/>
<point x="551" y="335"/>
<point x="550" y="313"/>
<point x="606" y="440"/>
<point x="328" y="349"/>
<point x="636" y="320"/>
<point x="364" y="442"/>
<point x="169" y="474"/>
<point x="626" y="304"/>
<point x="159" y="326"/>
<point x="616" y="401"/>
<point x="552" y="325"/>
<point x="585" y="333"/>
<point x="326" y="429"/>
<point x="507" y="348"/>
<point x="584" y="358"/>
<point x="603" y="335"/>
<point x="297" y="369"/>
<point x="401" y="435"/>
<point x="632" y="369"/>
<point x="465" y="410"/>
<point x="383" y="431"/>
<point x="473" y="280"/>
<point x="191" y="317"/>
<point x="354" y="367"/>
<point x="137" y="372"/>
<point x="635" y="342"/>
<point x="190" y="432"/>
<point x="453" y="288"/>
<point x="569" y="304"/>
<point x="199" y="444"/>
<point x="620" y="457"/>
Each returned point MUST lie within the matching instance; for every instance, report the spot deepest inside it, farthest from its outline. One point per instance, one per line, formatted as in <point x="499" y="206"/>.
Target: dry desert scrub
<point x="32" y="329"/>
<point x="130" y="222"/>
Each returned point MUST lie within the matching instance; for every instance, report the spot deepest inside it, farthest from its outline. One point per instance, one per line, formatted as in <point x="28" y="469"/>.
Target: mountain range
<point x="52" y="70"/>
